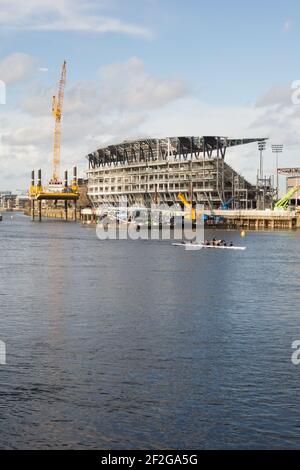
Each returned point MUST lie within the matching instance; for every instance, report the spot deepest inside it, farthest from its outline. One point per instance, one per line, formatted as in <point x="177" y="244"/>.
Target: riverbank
<point x="57" y="213"/>
<point x="234" y="220"/>
<point x="248" y="220"/>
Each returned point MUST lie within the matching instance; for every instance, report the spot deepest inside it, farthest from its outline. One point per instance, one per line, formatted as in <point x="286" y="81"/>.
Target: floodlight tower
<point x="261" y="147"/>
<point x="277" y="149"/>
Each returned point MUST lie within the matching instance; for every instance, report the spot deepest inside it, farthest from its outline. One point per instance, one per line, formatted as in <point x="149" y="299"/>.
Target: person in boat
<point x="231" y="244"/>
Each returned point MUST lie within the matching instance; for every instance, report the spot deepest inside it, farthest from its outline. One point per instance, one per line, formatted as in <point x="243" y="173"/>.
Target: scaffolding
<point x="266" y="193"/>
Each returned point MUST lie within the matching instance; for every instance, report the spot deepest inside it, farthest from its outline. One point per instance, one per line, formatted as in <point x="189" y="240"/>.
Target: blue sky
<point x="244" y="45"/>
<point x="139" y="67"/>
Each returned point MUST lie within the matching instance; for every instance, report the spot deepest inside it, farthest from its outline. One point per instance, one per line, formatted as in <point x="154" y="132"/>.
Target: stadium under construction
<point x="157" y="170"/>
<point x="181" y="171"/>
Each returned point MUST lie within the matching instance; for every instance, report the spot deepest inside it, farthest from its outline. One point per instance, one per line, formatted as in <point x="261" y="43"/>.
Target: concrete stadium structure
<point x="157" y="170"/>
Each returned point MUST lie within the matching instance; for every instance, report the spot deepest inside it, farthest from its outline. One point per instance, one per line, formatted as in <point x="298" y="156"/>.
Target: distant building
<point x="22" y="202"/>
<point x="10" y="201"/>
<point x="7" y="200"/>
<point x="292" y="175"/>
<point x="291" y="182"/>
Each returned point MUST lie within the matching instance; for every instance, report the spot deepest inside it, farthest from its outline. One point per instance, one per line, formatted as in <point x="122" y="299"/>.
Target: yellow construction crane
<point x="56" y="190"/>
<point x="57" y="106"/>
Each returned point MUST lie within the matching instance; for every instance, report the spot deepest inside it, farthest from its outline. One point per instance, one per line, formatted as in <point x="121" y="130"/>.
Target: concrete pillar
<point x="40" y="210"/>
<point x="32" y="209"/>
<point x="75" y="210"/>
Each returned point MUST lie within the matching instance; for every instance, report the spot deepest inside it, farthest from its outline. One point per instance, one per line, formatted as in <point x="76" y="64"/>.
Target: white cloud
<point x="37" y="100"/>
<point x="16" y="67"/>
<point x="65" y="15"/>
<point x="108" y="109"/>
<point x="117" y="88"/>
<point x="279" y="94"/>
<point x="280" y="122"/>
<point x="128" y="86"/>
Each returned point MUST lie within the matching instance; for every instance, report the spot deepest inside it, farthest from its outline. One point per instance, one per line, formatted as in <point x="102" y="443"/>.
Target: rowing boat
<point x="239" y="248"/>
<point x="189" y="246"/>
<point x="194" y="246"/>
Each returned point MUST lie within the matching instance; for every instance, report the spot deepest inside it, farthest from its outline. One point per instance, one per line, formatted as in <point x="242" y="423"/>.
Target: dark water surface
<point x="142" y="345"/>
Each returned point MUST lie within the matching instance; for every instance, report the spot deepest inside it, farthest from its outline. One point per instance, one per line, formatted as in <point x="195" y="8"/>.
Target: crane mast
<point x="57" y="106"/>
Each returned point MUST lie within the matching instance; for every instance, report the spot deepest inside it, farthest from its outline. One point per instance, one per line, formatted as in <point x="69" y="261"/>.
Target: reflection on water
<point x="142" y="345"/>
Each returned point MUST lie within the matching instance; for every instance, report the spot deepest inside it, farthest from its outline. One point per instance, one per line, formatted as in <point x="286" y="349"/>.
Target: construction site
<point x="148" y="171"/>
<point x="188" y="171"/>
<point x="182" y="171"/>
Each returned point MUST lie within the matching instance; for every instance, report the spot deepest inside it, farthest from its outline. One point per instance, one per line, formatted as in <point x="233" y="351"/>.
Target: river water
<point x="135" y="344"/>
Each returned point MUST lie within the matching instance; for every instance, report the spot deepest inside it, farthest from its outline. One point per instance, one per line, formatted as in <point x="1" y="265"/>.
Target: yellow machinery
<point x="57" y="106"/>
<point x="283" y="203"/>
<point x="68" y="194"/>
<point x="34" y="190"/>
<point x="65" y="193"/>
<point x="188" y="205"/>
<point x="56" y="190"/>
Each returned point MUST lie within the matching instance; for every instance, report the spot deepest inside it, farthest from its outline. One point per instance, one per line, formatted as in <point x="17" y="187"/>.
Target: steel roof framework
<point x="150" y="150"/>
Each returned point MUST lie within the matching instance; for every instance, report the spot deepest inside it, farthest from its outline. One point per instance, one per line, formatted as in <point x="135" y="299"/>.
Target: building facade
<point x="292" y="182"/>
